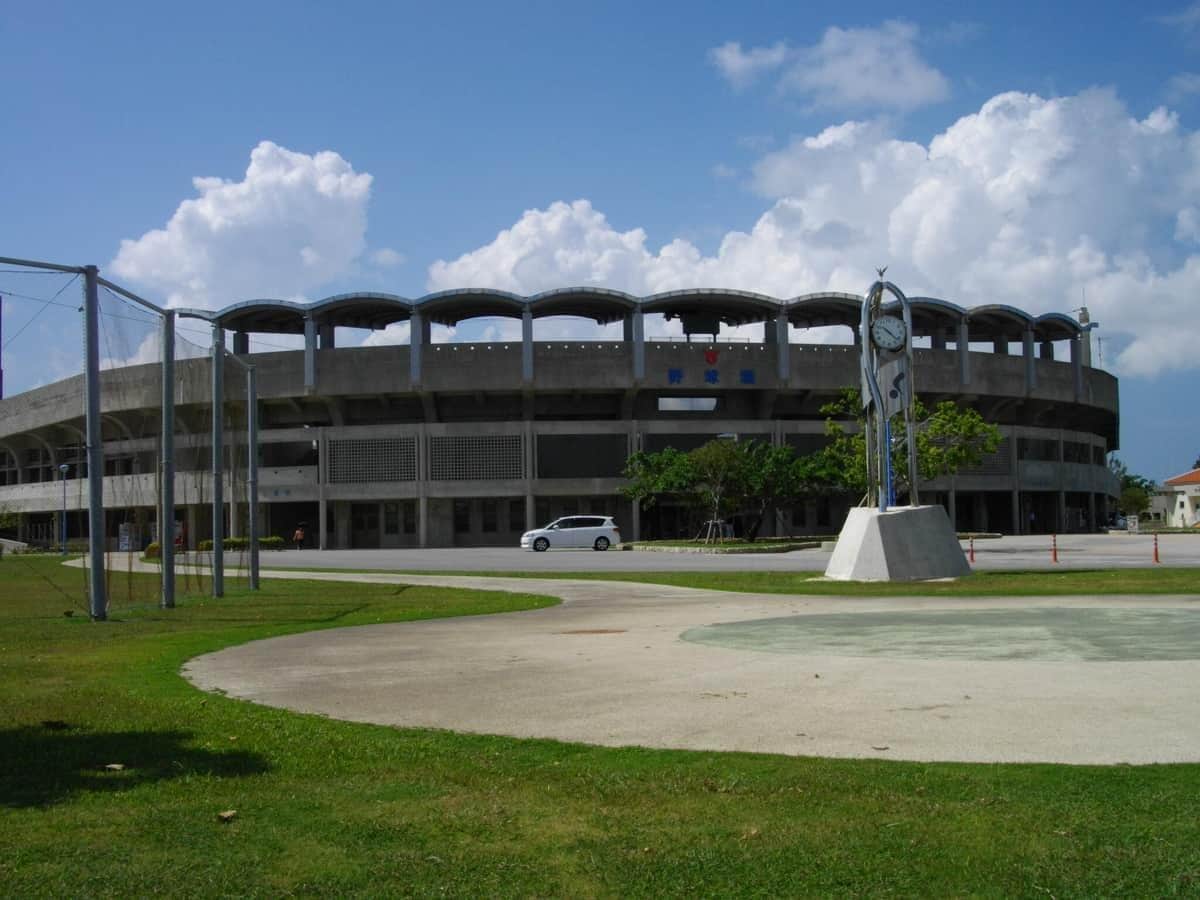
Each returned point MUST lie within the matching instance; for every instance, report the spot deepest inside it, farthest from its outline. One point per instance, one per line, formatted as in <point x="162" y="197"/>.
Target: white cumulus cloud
<point x="849" y="68"/>
<point x="293" y="223"/>
<point x="1035" y="202"/>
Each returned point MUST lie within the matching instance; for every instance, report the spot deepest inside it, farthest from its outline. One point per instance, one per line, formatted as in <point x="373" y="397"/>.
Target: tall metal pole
<point x="252" y="470"/>
<point x="166" y="496"/>
<point x="95" y="443"/>
<point x="218" y="460"/>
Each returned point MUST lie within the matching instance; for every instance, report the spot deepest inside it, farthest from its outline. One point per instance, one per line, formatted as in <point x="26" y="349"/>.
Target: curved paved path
<point x="609" y="667"/>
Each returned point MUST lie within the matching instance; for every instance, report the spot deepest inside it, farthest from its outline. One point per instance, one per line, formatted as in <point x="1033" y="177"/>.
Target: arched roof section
<point x="825" y="308"/>
<point x="1055" y="327"/>
<point x="366" y="309"/>
<point x="600" y="304"/>
<point x="452" y="307"/>
<point x="931" y="315"/>
<point x="263" y="317"/>
<point x="702" y="309"/>
<point x="985" y="323"/>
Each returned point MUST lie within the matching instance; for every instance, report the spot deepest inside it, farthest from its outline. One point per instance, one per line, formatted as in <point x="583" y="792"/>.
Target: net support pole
<point x="95" y="443"/>
<point x="252" y="471"/>
<point x="218" y="460"/>
<point x="166" y="513"/>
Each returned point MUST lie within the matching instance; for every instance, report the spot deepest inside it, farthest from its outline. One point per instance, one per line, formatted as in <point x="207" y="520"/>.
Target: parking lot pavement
<point x="1075" y="551"/>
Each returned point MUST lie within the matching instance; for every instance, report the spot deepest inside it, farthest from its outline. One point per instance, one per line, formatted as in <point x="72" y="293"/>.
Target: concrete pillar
<point x="1077" y="365"/>
<point x="417" y="339"/>
<point x="322" y="480"/>
<point x="937" y="340"/>
<point x="233" y="516"/>
<point x="530" y="465"/>
<point x="189" y="518"/>
<point x="1016" y="511"/>
<point x="783" y="348"/>
<point x="1030" y="360"/>
<point x="241" y="343"/>
<point x="1060" y="512"/>
<point x="423" y="520"/>
<point x="327" y="339"/>
<point x="310" y="354"/>
<point x="1047" y="350"/>
<point x="1091" y="511"/>
<point x="341" y="524"/>
<point x="857" y="337"/>
<point x="639" y="345"/>
<point x="952" y="506"/>
<point x="527" y="346"/>
<point x="963" y="345"/>
<point x="1000" y="346"/>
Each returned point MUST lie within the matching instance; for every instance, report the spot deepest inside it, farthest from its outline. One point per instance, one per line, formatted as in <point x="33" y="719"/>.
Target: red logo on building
<point x="710" y="356"/>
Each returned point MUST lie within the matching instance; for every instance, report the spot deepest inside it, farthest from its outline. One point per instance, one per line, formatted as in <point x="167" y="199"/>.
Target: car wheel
<point x="601" y="544"/>
<point x="541" y="545"/>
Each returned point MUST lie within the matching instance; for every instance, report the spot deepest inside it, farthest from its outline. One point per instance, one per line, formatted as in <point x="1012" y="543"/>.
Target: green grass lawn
<point x="1030" y="583"/>
<point x="335" y="808"/>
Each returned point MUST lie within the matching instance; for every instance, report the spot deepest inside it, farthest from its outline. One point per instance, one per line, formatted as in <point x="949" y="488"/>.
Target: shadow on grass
<point x="47" y="764"/>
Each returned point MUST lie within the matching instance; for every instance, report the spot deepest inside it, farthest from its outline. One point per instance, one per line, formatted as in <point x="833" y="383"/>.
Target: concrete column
<point x="1091" y="511"/>
<point x="322" y="480"/>
<point x="530" y="441"/>
<point x="233" y="517"/>
<point x="189" y="518"/>
<point x="241" y="343"/>
<point x="963" y="345"/>
<point x="327" y="339"/>
<point x="310" y="354"/>
<point x="635" y="526"/>
<point x="422" y="487"/>
<point x="1077" y="365"/>
<point x="1000" y="346"/>
<point x="1060" y="513"/>
<point x="783" y="348"/>
<point x="952" y="506"/>
<point x="527" y="346"/>
<point x="1016" y="512"/>
<point x="1047" y="350"/>
<point x="937" y="340"/>
<point x="418" y="337"/>
<point x="639" y="345"/>
<point x="341" y="524"/>
<point x="1085" y="345"/>
<point x="1030" y="360"/>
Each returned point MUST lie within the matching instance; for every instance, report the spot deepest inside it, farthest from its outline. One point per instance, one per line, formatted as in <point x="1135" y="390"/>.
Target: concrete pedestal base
<point x="906" y="543"/>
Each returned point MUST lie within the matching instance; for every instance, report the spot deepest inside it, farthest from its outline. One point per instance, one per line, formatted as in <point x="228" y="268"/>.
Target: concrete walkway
<point x="610" y="666"/>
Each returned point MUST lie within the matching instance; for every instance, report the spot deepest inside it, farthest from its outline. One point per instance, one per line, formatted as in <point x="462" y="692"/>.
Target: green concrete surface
<point x="1041" y="634"/>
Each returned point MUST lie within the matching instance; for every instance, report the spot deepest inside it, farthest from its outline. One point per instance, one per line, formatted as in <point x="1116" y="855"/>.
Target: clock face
<point x="888" y="333"/>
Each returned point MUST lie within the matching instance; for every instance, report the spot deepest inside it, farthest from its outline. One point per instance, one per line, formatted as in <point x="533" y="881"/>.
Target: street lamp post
<point x="62" y="468"/>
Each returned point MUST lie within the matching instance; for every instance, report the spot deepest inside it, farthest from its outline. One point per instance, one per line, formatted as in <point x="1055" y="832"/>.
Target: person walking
<point x="298" y="537"/>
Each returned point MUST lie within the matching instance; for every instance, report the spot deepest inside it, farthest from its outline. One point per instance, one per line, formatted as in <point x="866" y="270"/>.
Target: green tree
<point x="950" y="438"/>
<point x="1136" y="491"/>
<point x="652" y="476"/>
<point x="720" y="479"/>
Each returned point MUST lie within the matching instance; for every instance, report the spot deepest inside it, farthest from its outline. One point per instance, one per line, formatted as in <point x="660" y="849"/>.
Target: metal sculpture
<point x="887" y="377"/>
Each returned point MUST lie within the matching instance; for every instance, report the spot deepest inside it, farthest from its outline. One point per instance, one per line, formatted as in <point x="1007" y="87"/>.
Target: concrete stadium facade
<point x="444" y="444"/>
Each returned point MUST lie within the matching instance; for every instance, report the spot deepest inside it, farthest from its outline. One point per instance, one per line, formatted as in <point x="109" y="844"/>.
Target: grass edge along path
<point x="347" y="809"/>
<point x="1002" y="583"/>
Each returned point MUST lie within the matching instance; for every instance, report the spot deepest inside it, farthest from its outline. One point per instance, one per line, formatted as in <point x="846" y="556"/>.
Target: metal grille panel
<point x="373" y="459"/>
<point x="471" y="457"/>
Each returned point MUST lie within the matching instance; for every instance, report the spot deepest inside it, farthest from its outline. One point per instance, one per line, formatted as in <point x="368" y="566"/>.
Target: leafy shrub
<point x="273" y="542"/>
<point x="152" y="551"/>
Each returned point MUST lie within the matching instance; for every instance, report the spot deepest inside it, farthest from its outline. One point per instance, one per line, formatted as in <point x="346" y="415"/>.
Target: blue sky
<point x="480" y="126"/>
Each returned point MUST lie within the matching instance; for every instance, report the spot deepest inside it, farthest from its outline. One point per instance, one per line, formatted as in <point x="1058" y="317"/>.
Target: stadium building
<point x="457" y="444"/>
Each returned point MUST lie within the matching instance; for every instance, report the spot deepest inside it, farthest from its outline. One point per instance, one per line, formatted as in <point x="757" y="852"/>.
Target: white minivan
<point x="597" y="532"/>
